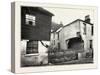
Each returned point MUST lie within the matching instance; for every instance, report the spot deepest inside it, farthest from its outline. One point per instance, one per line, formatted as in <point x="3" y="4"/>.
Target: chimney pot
<point x="87" y="19"/>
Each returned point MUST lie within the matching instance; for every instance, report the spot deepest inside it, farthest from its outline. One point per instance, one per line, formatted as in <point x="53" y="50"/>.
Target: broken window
<point x="30" y="19"/>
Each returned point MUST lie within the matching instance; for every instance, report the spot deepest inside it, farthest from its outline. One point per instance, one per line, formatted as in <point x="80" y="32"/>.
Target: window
<point x="32" y="47"/>
<point x="84" y="28"/>
<point x="91" y="44"/>
<point x="92" y="30"/>
<point x="30" y="19"/>
<point x="58" y="35"/>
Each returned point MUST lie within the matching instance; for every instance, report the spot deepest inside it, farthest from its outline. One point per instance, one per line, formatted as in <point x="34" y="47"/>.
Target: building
<point x="35" y="35"/>
<point x="75" y="36"/>
<point x="35" y="21"/>
<point x="54" y="36"/>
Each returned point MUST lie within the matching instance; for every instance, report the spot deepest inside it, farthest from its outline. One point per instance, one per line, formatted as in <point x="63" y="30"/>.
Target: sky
<point x="67" y="15"/>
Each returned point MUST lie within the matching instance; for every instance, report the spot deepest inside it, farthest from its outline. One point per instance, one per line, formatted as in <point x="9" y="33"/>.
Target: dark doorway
<point x="76" y="43"/>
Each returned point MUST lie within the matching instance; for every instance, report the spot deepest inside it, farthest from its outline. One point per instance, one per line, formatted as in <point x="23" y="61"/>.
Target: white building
<point x="75" y="36"/>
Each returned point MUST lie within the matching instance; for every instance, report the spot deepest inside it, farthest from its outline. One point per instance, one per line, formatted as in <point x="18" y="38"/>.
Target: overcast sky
<point x="66" y="15"/>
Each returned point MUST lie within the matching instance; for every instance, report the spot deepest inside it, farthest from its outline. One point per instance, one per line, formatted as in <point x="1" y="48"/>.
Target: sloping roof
<point x="29" y="9"/>
<point x="45" y="11"/>
<point x="76" y="21"/>
<point x="72" y="23"/>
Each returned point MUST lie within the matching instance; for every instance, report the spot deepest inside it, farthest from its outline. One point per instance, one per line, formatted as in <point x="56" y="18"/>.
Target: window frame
<point x="30" y="43"/>
<point x="30" y="18"/>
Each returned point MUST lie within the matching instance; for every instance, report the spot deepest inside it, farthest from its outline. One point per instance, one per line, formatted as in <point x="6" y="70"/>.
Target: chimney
<point x="87" y="19"/>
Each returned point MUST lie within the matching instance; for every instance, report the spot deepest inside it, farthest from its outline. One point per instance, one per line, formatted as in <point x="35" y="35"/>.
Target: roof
<point x="29" y="9"/>
<point x="45" y="11"/>
<point x="74" y="22"/>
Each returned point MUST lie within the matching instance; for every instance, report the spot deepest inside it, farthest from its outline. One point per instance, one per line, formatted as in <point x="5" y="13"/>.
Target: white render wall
<point x="88" y="35"/>
<point x="70" y="31"/>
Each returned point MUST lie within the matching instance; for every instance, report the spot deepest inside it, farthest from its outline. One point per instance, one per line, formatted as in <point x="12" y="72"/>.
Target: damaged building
<point x="76" y="37"/>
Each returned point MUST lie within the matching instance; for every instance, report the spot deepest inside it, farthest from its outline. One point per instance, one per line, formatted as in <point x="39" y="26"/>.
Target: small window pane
<point x="30" y="19"/>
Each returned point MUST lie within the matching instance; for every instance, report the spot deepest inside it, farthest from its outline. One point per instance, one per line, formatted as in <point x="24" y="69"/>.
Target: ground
<point x="81" y="61"/>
